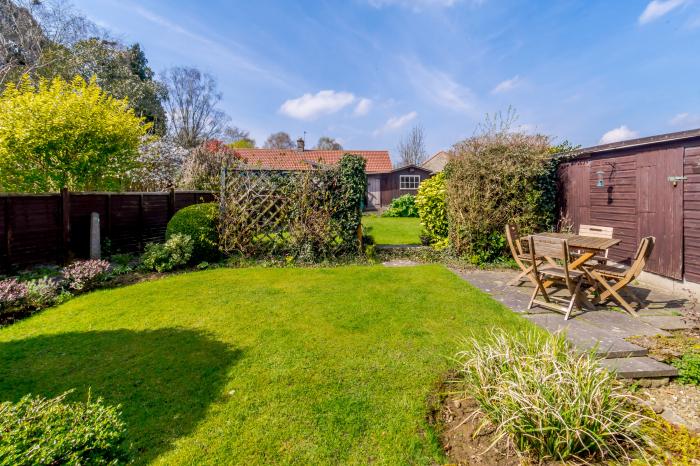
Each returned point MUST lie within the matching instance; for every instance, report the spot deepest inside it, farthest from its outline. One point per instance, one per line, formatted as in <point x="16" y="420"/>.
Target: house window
<point x="409" y="181"/>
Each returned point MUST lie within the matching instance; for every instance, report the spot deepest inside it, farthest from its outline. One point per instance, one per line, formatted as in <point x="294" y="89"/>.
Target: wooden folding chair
<point x="521" y="257"/>
<point x="556" y="249"/>
<point x="596" y="232"/>
<point x="615" y="279"/>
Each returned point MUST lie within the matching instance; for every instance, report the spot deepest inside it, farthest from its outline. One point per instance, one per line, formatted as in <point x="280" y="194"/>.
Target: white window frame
<point x="406" y="182"/>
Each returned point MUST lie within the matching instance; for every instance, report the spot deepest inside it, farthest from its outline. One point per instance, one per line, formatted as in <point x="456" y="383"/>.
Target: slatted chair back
<point x="644" y="250"/>
<point x="595" y="231"/>
<point x="553" y="248"/>
<point x="513" y="238"/>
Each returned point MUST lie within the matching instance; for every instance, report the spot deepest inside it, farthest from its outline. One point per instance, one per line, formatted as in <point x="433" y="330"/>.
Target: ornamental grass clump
<point x="549" y="402"/>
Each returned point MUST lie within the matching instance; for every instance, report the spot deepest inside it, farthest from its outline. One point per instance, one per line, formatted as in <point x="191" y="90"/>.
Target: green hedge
<point x="199" y="222"/>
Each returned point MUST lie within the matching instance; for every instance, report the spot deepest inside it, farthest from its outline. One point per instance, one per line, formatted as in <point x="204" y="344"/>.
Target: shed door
<point x="373" y="192"/>
<point x="660" y="208"/>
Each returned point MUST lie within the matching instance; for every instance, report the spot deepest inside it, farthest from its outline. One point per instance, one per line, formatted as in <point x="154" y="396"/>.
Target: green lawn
<point x="392" y="230"/>
<point x="261" y="365"/>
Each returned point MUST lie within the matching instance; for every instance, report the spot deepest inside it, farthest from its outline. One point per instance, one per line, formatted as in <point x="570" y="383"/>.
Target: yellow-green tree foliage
<point x="70" y="134"/>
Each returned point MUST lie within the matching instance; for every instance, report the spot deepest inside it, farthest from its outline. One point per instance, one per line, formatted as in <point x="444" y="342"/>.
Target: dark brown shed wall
<point x="639" y="200"/>
<point x="691" y="218"/>
<point x="390" y="183"/>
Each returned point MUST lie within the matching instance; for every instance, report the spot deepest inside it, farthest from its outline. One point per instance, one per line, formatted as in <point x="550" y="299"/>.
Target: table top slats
<point x="584" y="242"/>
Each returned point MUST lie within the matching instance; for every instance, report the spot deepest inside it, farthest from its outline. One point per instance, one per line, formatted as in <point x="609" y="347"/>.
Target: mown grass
<point x="392" y="230"/>
<point x="260" y="366"/>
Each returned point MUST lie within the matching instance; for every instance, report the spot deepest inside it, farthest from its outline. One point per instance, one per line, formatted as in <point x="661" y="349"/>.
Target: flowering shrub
<point x="82" y="275"/>
<point x="12" y="293"/>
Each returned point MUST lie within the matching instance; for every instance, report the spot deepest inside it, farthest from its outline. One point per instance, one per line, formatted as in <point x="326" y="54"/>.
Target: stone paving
<point x="604" y="329"/>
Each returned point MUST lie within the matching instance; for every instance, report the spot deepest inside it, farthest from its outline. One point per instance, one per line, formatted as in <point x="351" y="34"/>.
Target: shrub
<point x="83" y="275"/>
<point x="66" y="134"/>
<point x="164" y="257"/>
<point x="12" y="294"/>
<point x="549" y="402"/>
<point x="42" y="292"/>
<point x="496" y="177"/>
<point x="432" y="208"/>
<point x="689" y="368"/>
<point x="52" y="431"/>
<point x="404" y="206"/>
<point x="199" y="223"/>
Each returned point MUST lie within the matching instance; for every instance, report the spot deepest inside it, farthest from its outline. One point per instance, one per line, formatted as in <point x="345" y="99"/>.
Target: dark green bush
<point x="36" y="430"/>
<point x="404" y="206"/>
<point x="199" y="223"/>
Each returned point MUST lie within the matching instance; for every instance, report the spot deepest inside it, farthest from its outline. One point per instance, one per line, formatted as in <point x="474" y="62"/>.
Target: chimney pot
<point x="300" y="144"/>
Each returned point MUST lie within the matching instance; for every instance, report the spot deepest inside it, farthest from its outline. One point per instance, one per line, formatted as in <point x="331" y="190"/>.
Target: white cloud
<point x="363" y="107"/>
<point x="507" y="85"/>
<point x="685" y="120"/>
<point x="438" y="87"/>
<point x="658" y="8"/>
<point x="397" y="122"/>
<point x="618" y="134"/>
<point x="311" y="106"/>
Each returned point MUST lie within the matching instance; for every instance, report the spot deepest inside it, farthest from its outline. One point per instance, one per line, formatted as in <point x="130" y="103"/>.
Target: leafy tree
<point x="48" y="39"/>
<point x="70" y="134"/>
<point x="328" y="143"/>
<point x="279" y="140"/>
<point x="412" y="147"/>
<point x="192" y="106"/>
<point x="121" y="71"/>
<point x="238" y="138"/>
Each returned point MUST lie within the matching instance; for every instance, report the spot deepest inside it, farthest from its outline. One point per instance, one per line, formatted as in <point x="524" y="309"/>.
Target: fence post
<point x="65" y="225"/>
<point x="8" y="233"/>
<point x="171" y="203"/>
<point x="141" y="222"/>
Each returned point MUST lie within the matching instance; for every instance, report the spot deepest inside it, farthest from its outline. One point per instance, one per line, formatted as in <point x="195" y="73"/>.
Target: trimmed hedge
<point x="199" y="222"/>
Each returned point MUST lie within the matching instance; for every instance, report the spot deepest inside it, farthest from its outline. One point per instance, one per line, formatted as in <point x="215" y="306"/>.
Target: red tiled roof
<point x="378" y="161"/>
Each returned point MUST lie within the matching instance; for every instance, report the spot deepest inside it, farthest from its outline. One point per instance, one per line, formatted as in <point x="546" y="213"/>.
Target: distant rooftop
<point x="378" y="161"/>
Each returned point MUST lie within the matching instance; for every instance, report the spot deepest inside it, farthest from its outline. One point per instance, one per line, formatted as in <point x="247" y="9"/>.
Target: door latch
<point x="676" y="179"/>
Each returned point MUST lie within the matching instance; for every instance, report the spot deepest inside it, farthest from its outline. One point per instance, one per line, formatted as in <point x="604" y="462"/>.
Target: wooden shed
<point x="400" y="181"/>
<point x="641" y="187"/>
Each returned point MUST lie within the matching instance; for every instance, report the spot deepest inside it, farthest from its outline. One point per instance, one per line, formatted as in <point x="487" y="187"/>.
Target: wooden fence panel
<point x="53" y="228"/>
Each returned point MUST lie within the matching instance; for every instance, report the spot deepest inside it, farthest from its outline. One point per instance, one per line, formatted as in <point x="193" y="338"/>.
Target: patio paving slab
<point x="603" y="330"/>
<point x="667" y="322"/>
<point x="621" y="325"/>
<point x="586" y="337"/>
<point x="634" y="368"/>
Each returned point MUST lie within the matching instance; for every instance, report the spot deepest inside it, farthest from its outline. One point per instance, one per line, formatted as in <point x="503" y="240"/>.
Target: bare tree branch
<point x="412" y="147"/>
<point x="191" y="105"/>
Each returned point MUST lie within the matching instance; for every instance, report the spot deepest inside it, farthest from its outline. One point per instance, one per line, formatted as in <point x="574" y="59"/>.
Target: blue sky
<point x="365" y="71"/>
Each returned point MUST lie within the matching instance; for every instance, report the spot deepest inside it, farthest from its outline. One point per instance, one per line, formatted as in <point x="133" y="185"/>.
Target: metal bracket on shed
<point x="676" y="179"/>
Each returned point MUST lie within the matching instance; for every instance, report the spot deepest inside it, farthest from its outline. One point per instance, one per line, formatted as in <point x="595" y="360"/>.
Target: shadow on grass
<point x="164" y="379"/>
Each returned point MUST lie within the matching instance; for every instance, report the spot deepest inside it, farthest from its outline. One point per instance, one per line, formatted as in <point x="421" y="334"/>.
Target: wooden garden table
<point x="588" y="245"/>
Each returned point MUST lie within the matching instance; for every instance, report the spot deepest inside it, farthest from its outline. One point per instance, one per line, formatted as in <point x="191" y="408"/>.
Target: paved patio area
<point x="604" y="329"/>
